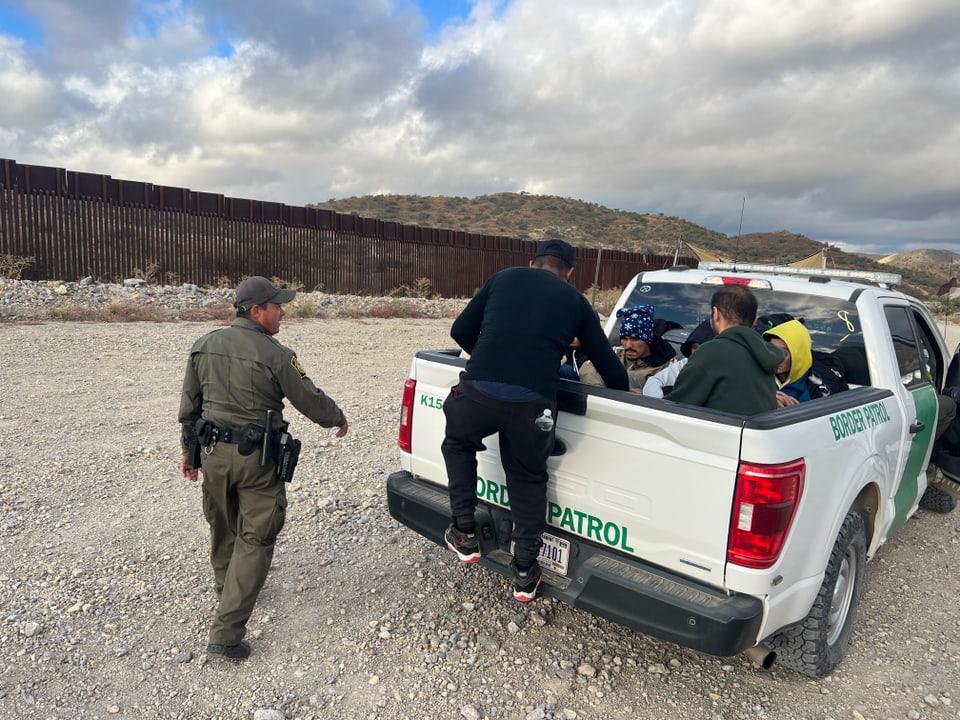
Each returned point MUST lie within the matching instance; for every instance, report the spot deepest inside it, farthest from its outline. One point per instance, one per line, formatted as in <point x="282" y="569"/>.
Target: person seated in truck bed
<point x="794" y="339"/>
<point x="641" y="351"/>
<point x="660" y="384"/>
<point x="735" y="371"/>
<point x="826" y="374"/>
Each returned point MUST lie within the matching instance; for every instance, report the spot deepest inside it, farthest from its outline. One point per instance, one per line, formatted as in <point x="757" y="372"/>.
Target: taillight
<point x="763" y="508"/>
<point x="406" y="416"/>
<point x="737" y="280"/>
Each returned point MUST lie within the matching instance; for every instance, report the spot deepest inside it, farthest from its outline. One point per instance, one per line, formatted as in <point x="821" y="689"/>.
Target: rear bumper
<point x="628" y="591"/>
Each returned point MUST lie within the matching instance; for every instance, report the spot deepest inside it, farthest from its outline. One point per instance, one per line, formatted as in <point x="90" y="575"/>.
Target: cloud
<point x="34" y="94"/>
<point x="76" y="32"/>
<point x="833" y="119"/>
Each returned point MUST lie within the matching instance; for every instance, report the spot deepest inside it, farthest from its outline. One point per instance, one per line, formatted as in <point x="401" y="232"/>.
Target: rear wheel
<point x="819" y="642"/>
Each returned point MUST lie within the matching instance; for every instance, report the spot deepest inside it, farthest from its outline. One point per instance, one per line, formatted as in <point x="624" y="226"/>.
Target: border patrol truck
<point x="722" y="533"/>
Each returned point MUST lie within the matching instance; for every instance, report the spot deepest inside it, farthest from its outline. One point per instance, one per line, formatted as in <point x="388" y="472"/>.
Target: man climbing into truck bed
<point x="516" y="329"/>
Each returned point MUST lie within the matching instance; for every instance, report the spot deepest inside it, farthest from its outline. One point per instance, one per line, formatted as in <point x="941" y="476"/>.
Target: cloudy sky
<point x="837" y="119"/>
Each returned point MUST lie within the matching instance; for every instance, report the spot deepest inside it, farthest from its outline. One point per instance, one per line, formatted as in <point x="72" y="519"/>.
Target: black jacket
<point x="519" y="325"/>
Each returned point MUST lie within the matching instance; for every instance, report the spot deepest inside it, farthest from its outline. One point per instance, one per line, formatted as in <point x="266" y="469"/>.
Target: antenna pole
<point x="736" y="253"/>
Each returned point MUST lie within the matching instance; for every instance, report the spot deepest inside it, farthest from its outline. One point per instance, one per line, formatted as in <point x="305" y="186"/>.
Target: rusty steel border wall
<point x="75" y="224"/>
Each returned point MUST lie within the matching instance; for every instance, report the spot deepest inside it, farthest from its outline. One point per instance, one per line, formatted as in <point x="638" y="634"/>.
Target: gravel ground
<point x="106" y="592"/>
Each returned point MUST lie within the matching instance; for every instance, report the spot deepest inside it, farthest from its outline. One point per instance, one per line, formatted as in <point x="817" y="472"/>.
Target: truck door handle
<point x="917" y="427"/>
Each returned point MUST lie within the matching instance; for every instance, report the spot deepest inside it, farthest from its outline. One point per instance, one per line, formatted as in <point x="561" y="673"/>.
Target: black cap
<point x="257" y="290"/>
<point x="556" y="248"/>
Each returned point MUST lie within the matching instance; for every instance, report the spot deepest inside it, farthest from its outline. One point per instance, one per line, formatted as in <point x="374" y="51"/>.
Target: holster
<point x="288" y="456"/>
<point x="193" y="449"/>
<point x="203" y="429"/>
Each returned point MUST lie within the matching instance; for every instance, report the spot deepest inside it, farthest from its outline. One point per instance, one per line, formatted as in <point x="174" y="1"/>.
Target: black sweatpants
<point x="524" y="449"/>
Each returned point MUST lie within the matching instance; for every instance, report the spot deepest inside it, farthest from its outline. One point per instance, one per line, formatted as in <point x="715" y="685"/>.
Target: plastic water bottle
<point x="544" y="420"/>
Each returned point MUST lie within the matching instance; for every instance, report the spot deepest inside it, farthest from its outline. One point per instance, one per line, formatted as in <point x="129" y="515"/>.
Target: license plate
<point x="555" y="554"/>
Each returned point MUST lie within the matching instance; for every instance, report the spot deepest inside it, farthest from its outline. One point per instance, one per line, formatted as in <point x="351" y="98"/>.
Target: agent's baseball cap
<point x="556" y="248"/>
<point x="257" y="290"/>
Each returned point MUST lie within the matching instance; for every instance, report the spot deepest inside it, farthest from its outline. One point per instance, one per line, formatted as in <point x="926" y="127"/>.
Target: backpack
<point x="827" y="376"/>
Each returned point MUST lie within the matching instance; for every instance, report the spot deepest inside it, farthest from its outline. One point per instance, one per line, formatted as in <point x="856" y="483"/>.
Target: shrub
<point x="223" y="312"/>
<point x="114" y="311"/>
<point x="422" y="288"/>
<point x="119" y="311"/>
<point x="304" y="306"/>
<point x="12" y="266"/>
<point x="151" y="274"/>
<point x="395" y="309"/>
<point x="70" y="313"/>
<point x="295" y="285"/>
<point x="606" y="300"/>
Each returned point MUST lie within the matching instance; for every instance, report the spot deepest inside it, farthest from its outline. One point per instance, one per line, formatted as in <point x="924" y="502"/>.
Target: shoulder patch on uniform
<point x="297" y="366"/>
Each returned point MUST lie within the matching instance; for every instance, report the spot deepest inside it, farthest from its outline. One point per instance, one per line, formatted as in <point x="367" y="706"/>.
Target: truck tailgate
<point x="666" y="500"/>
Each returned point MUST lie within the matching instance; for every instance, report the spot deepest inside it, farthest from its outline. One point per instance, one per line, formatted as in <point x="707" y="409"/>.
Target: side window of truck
<point x="909" y="362"/>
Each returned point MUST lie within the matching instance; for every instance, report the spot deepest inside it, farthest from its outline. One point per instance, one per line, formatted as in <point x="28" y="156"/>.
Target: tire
<point x="936" y="500"/>
<point x="816" y="645"/>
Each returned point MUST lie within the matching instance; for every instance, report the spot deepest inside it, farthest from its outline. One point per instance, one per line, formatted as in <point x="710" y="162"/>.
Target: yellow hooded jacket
<point x="797" y="339"/>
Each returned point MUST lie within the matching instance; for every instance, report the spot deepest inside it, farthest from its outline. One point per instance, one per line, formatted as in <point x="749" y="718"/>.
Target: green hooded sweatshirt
<point x="733" y="372"/>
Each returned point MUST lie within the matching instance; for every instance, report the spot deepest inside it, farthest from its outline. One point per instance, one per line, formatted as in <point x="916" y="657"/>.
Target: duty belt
<point x="247" y="439"/>
<point x="225" y="435"/>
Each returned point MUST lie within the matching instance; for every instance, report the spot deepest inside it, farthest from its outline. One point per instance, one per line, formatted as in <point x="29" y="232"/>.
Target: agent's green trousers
<point x="245" y="506"/>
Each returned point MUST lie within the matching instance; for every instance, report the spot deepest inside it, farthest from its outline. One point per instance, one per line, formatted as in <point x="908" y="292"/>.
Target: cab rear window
<point x="832" y="323"/>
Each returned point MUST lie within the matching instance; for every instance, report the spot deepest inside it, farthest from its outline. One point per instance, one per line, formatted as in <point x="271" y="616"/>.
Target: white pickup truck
<point x="719" y="532"/>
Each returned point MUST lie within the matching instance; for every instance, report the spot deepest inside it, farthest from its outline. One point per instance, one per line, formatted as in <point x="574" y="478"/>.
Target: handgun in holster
<point x="288" y="456"/>
<point x="200" y="437"/>
<point x="193" y="449"/>
<point x="279" y="447"/>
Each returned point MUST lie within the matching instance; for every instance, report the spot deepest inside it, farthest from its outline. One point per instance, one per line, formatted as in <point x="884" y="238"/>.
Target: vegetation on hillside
<point x="536" y="217"/>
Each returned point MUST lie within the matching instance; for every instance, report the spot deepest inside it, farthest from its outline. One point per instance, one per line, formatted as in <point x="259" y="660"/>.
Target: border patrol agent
<point x="234" y="376"/>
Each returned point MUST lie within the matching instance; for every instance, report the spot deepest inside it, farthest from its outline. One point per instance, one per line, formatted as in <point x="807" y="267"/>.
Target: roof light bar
<point x="880" y="278"/>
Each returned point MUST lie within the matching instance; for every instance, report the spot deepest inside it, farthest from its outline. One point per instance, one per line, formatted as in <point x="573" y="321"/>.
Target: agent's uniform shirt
<point x="234" y="375"/>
